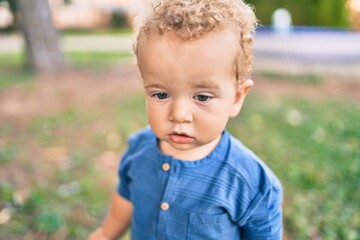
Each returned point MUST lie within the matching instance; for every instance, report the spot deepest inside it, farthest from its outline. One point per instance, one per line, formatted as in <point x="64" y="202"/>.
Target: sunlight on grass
<point x="11" y="59"/>
<point x="82" y="32"/>
<point x="98" y="59"/>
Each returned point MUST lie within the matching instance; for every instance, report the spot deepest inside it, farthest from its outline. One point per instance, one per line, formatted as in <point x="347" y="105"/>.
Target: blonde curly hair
<point x="192" y="19"/>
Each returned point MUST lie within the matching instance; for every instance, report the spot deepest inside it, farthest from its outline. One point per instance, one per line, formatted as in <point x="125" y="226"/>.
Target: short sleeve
<point x="136" y="144"/>
<point x="265" y="220"/>
<point x="123" y="172"/>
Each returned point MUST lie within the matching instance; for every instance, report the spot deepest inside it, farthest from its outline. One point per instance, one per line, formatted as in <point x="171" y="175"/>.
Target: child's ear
<point x="241" y="92"/>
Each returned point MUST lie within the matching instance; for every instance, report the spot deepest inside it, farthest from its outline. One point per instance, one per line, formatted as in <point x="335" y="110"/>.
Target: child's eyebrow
<point x="206" y="84"/>
<point x="154" y="85"/>
<point x="198" y="85"/>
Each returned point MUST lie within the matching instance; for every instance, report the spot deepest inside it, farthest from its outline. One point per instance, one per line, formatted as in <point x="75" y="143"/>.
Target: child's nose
<point x="180" y="112"/>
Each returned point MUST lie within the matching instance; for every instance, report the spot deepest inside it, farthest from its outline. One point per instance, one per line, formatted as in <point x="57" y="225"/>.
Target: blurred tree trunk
<point x="42" y="45"/>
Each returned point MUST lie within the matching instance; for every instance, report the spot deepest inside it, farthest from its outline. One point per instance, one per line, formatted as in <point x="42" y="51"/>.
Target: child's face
<point x="190" y="90"/>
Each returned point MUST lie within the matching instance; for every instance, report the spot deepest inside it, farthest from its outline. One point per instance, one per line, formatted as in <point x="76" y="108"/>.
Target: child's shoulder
<point x="143" y="136"/>
<point x="140" y="143"/>
<point x="247" y="164"/>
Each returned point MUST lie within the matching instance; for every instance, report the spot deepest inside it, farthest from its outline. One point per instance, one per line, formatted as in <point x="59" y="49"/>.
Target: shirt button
<point x="166" y="167"/>
<point x="165" y="206"/>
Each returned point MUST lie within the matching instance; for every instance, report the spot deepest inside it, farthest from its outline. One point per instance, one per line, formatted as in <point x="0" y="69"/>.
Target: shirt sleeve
<point x="265" y="219"/>
<point x="135" y="143"/>
<point x="123" y="172"/>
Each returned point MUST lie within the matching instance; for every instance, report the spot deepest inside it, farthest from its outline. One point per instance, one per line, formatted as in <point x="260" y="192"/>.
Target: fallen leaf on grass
<point x="5" y="215"/>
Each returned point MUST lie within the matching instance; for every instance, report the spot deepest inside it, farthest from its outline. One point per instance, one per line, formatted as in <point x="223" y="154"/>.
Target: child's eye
<point x="161" y="95"/>
<point x="202" y="98"/>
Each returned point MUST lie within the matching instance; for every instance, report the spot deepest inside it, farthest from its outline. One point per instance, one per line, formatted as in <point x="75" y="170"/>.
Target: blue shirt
<point x="230" y="194"/>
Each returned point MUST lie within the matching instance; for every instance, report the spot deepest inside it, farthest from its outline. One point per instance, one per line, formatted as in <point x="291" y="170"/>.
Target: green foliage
<point x="12" y="5"/>
<point x="119" y="20"/>
<point x="48" y="222"/>
<point x="67" y="2"/>
<point x="326" y="13"/>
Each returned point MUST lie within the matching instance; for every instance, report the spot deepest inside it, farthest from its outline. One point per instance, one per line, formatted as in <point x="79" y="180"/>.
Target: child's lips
<point x="180" y="138"/>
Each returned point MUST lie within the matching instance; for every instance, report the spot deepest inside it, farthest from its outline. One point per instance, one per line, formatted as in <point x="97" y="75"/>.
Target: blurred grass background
<point x="58" y="166"/>
<point x="312" y="145"/>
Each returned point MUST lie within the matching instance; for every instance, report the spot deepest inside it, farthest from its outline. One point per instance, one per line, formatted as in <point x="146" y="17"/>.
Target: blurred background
<point x="70" y="96"/>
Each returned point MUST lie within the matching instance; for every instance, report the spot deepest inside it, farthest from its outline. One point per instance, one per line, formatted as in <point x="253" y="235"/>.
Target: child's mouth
<point x="180" y="138"/>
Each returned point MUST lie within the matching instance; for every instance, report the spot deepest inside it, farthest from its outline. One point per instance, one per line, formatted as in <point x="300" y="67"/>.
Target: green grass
<point x="82" y="32"/>
<point x="312" y="146"/>
<point x="79" y="32"/>
<point x="308" y="78"/>
<point x="11" y="60"/>
<point x="13" y="72"/>
<point x="10" y="78"/>
<point x="97" y="60"/>
<point x="10" y="63"/>
<point x="72" y="199"/>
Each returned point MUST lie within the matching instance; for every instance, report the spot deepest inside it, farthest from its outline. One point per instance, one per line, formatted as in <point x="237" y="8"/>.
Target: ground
<point x="22" y="105"/>
<point x="52" y="94"/>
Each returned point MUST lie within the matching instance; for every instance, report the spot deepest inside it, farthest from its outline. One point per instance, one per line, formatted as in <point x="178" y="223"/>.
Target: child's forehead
<point x="214" y="48"/>
<point x="226" y="36"/>
<point x="209" y="57"/>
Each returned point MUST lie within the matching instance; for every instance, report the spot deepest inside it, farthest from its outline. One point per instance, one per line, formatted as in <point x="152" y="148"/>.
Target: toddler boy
<point x="185" y="176"/>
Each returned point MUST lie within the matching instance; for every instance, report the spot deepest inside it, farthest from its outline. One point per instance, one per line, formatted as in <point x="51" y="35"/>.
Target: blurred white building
<point x="82" y="13"/>
<point x="6" y="18"/>
<point x="91" y="13"/>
